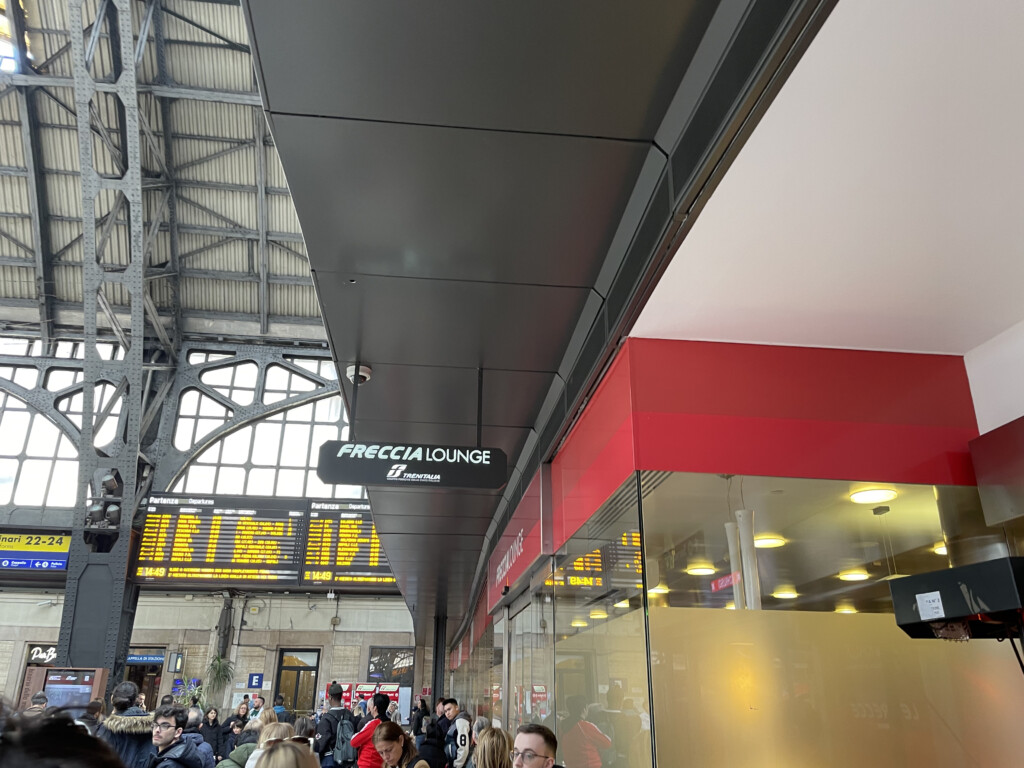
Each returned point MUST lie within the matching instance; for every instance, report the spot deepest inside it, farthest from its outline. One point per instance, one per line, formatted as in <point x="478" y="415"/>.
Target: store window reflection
<point x="600" y="648"/>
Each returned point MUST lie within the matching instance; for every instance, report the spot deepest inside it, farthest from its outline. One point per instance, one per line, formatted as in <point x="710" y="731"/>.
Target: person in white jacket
<point x="457" y="744"/>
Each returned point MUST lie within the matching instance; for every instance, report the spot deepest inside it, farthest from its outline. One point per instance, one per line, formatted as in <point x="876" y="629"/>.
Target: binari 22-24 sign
<point x="392" y="464"/>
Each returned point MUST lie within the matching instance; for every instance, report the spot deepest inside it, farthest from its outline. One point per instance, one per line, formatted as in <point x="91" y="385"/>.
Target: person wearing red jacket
<point x="363" y="740"/>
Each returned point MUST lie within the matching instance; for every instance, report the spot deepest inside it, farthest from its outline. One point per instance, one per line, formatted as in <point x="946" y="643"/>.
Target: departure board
<point x="237" y="539"/>
<point x="342" y="548"/>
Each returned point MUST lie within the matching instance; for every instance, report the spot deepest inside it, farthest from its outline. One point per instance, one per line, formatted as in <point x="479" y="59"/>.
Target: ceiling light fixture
<point x="873" y="496"/>
<point x="854" y="574"/>
<point x="785" y="592"/>
<point x="730" y="606"/>
<point x="660" y="589"/>
<point x="598" y="613"/>
<point x="845" y="608"/>
<point x="769" y="541"/>
<point x="622" y="603"/>
<point x="940" y="548"/>
<point x="578" y="623"/>
<point x="700" y="568"/>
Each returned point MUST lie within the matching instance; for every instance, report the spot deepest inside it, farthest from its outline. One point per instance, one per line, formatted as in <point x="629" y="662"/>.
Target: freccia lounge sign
<point x="394" y="464"/>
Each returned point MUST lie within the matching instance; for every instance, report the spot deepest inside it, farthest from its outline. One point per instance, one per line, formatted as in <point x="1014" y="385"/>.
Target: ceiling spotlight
<point x="940" y="548"/>
<point x="700" y="568"/>
<point x="578" y="623"/>
<point x="730" y="606"/>
<point x="845" y="608"/>
<point x="873" y="496"/>
<point x="660" y="589"/>
<point x="854" y="574"/>
<point x="624" y="603"/>
<point x="785" y="592"/>
<point x="598" y="613"/>
<point x="768" y="541"/>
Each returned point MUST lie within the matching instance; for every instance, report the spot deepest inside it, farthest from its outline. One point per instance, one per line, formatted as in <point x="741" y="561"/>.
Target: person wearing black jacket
<point x="431" y="748"/>
<point x="418" y="714"/>
<point x="213" y="733"/>
<point x="327" y="728"/>
<point x="241" y="715"/>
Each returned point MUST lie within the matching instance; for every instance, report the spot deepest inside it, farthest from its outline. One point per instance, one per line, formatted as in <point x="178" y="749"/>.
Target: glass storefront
<point x="668" y="624"/>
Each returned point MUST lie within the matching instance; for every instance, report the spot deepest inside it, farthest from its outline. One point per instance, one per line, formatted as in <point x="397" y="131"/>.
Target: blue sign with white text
<point x="142" y="658"/>
<point x="256" y="680"/>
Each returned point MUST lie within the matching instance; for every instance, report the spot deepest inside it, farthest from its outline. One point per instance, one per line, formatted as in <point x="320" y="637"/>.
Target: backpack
<point x="344" y="753"/>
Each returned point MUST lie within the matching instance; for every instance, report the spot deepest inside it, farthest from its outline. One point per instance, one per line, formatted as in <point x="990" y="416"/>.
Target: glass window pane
<point x="300" y="413"/>
<point x="218" y="377"/>
<point x="8" y="473"/>
<point x="261" y="482"/>
<point x="14" y="428"/>
<point x="266" y="444"/>
<point x="302" y="384"/>
<point x="290" y="482"/>
<point x="349" y="492"/>
<point x="210" y="456"/>
<point x="183" y="433"/>
<point x="59" y="379"/>
<point x="189" y="405"/>
<point x="66" y="448"/>
<point x="42" y="439"/>
<point x="210" y="407"/>
<point x="243" y="396"/>
<point x="295" y="452"/>
<point x="245" y="375"/>
<point x="315" y="488"/>
<point x="231" y="480"/>
<point x="26" y="377"/>
<point x="236" y="446"/>
<point x="35" y="474"/>
<point x="277" y="378"/>
<point x="63" y="484"/>
<point x="200" y="480"/>
<point x="206" y="426"/>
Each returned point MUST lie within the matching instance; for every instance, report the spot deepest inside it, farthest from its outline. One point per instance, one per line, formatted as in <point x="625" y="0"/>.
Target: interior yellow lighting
<point x="598" y="613"/>
<point x="578" y="623"/>
<point x="700" y="568"/>
<point x="622" y="603"/>
<point x="769" y="541"/>
<point x="660" y="589"/>
<point x="873" y="496"/>
<point x="939" y="548"/>
<point x="730" y="606"/>
<point x="785" y="592"/>
<point x="845" y="608"/>
<point x="854" y="574"/>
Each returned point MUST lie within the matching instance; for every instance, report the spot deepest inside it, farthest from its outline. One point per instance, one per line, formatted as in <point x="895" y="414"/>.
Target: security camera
<point x="364" y="372"/>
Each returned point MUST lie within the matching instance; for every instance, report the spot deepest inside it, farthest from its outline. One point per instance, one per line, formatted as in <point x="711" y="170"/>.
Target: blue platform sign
<point x="256" y="680"/>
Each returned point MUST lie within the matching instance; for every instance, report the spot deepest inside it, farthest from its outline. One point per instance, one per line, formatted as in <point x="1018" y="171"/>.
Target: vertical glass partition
<point x="601" y="678"/>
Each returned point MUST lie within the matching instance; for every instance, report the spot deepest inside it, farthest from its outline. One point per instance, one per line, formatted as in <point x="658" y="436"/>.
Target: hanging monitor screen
<point x="342" y="548"/>
<point x="220" y="539"/>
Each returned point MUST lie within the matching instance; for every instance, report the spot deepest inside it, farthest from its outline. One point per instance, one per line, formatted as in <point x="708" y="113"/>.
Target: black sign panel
<point x="342" y="547"/>
<point x="391" y="464"/>
<point x="216" y="539"/>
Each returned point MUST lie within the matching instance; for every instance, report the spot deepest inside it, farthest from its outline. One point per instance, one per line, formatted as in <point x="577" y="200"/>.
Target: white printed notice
<point x="929" y="605"/>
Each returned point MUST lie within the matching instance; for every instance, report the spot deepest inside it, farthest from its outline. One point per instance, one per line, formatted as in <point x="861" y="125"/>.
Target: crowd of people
<point x="362" y="735"/>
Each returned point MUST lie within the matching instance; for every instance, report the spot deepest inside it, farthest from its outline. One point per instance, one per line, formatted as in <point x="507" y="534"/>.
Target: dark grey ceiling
<point x="483" y="187"/>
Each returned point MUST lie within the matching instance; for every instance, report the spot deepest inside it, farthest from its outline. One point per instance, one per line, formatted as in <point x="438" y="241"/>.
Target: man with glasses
<point x="535" y="747"/>
<point x="171" y="750"/>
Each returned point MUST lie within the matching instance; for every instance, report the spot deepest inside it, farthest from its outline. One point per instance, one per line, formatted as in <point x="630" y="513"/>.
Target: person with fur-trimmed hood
<point x="129" y="729"/>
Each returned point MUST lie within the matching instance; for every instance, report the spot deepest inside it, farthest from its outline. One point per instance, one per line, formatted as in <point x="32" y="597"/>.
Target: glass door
<point x="296" y="680"/>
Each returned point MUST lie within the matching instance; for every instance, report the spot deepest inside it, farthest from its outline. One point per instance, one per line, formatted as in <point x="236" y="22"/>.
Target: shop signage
<point x="517" y="550"/>
<point x="42" y="654"/>
<point x="144" y="658"/>
<point x="256" y="680"/>
<point x="725" y="581"/>
<point x="436" y="466"/>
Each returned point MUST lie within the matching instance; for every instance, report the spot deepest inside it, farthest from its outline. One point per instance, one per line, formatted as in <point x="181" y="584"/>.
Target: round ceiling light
<point x="598" y="613"/>
<point x="873" y="496"/>
<point x="854" y="574"/>
<point x="578" y="623"/>
<point x="785" y="592"/>
<point x="660" y="589"/>
<point x="700" y="568"/>
<point x="940" y="548"/>
<point x="845" y="608"/>
<point x="769" y="541"/>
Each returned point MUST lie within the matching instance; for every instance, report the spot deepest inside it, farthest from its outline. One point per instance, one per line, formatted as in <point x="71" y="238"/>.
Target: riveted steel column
<point x="99" y="606"/>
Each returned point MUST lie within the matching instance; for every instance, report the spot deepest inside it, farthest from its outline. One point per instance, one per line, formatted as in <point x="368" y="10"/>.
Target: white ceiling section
<point x="879" y="203"/>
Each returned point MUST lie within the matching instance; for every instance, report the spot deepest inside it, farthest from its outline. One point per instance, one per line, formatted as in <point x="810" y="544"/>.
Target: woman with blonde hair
<point x="272" y="732"/>
<point x="287" y="754"/>
<point x="493" y="748"/>
<point x="396" y="748"/>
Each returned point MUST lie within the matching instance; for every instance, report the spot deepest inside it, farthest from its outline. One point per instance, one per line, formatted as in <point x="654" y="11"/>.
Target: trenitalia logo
<point x="445" y="466"/>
